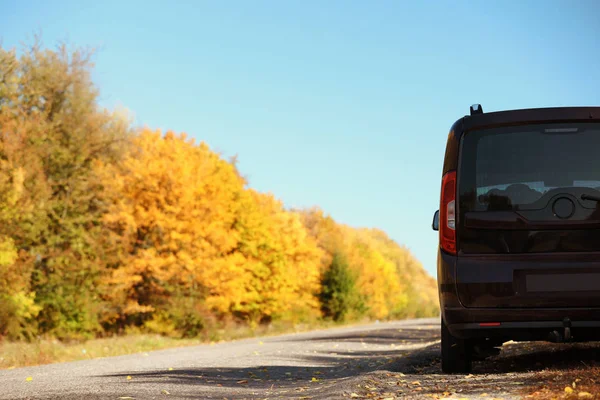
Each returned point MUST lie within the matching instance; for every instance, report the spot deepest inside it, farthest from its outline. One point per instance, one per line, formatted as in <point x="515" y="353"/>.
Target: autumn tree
<point x="52" y="133"/>
<point x="420" y="294"/>
<point x="190" y="230"/>
<point x="17" y="302"/>
<point x="388" y="278"/>
<point x="174" y="206"/>
<point x="283" y="258"/>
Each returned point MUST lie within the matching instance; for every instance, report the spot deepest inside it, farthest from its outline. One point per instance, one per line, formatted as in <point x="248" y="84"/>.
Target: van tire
<point x="456" y="353"/>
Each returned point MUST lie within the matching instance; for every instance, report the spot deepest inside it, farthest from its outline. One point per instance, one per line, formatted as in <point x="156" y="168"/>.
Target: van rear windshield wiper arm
<point x="590" y="197"/>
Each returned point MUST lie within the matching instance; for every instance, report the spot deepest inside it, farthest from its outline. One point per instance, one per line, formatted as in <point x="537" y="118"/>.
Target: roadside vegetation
<point x="108" y="230"/>
<point x="577" y="383"/>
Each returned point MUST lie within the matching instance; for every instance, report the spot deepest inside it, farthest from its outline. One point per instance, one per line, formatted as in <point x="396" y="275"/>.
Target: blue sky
<point x="341" y="104"/>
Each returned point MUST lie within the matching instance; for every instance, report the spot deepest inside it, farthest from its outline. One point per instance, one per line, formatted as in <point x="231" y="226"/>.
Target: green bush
<point x="340" y="297"/>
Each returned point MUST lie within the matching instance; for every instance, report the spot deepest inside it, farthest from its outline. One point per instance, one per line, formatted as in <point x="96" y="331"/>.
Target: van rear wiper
<point x="590" y="197"/>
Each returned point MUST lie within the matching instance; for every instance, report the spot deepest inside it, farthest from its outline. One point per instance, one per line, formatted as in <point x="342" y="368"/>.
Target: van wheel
<point x="456" y="353"/>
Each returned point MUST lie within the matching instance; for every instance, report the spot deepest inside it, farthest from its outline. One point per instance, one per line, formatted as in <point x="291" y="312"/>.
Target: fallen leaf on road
<point x="354" y="395"/>
<point x="164" y="392"/>
<point x="260" y="343"/>
<point x="288" y="373"/>
<point x="585" y="395"/>
<point x="568" y="389"/>
<point x="314" y="379"/>
<point x="415" y="383"/>
<point x="469" y="376"/>
<point x="29" y="379"/>
<point x="170" y="369"/>
<point x="242" y="381"/>
<point x="128" y="377"/>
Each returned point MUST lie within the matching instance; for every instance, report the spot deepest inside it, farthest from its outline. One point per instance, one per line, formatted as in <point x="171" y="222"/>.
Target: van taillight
<point x="448" y="213"/>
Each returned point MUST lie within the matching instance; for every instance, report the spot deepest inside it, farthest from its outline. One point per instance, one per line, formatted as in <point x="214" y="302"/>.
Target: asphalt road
<point x="384" y="360"/>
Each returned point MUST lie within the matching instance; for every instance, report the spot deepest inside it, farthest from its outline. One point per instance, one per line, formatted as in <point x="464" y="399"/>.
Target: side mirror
<point x="435" y="225"/>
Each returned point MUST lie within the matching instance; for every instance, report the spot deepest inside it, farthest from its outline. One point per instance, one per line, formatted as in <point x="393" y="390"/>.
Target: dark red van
<point x="519" y="231"/>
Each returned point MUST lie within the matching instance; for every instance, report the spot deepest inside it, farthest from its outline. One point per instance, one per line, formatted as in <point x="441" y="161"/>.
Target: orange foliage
<point x="186" y="223"/>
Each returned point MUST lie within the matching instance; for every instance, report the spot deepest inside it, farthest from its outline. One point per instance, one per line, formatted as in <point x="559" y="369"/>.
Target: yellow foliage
<point x="25" y="307"/>
<point x="392" y="283"/>
<point x="283" y="259"/>
<point x="186" y="221"/>
<point x="174" y="206"/>
<point x="377" y="278"/>
<point x="8" y="252"/>
<point x="329" y="235"/>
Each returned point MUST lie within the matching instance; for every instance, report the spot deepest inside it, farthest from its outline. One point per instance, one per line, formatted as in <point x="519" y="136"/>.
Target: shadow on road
<point x="514" y="358"/>
<point x="318" y="365"/>
<point x="382" y="336"/>
<point x="381" y="361"/>
<point x="287" y="381"/>
<point x="537" y="356"/>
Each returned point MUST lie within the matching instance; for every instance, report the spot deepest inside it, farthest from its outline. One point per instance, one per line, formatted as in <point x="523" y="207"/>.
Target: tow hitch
<point x="567" y="326"/>
<point x="565" y="336"/>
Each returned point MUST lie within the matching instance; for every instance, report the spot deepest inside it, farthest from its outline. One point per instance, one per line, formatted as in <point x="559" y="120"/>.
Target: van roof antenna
<point x="476" y="109"/>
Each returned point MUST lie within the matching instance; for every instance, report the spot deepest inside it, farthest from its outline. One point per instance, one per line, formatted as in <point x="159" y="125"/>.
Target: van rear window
<point x="511" y="168"/>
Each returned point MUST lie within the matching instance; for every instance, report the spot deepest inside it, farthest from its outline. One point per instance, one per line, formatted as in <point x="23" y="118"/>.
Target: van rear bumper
<point x="522" y="324"/>
<point x="515" y="323"/>
<point x="529" y="281"/>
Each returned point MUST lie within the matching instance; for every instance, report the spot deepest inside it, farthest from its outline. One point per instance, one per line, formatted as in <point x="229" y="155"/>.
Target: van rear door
<point x="528" y="232"/>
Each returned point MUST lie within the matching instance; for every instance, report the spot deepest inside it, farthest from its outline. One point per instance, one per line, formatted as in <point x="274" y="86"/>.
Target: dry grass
<point x="16" y="354"/>
<point x="577" y="383"/>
